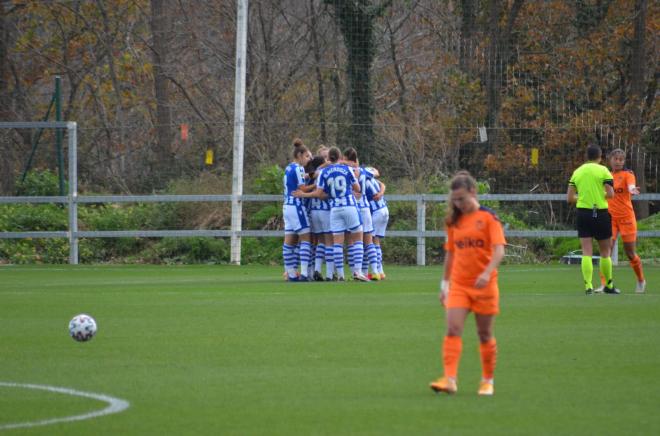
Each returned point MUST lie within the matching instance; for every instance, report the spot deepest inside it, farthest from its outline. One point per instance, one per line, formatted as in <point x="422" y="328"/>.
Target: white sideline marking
<point x="115" y="405"/>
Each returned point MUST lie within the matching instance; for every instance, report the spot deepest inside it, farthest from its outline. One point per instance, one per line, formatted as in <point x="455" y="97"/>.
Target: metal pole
<point x="58" y="132"/>
<point x="421" y="227"/>
<point x="73" y="193"/>
<point x="35" y="142"/>
<point x="615" y="252"/>
<point x="239" y="130"/>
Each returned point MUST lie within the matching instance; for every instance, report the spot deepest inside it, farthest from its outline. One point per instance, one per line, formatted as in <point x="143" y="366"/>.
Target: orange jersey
<point x="621" y="204"/>
<point x="471" y="242"/>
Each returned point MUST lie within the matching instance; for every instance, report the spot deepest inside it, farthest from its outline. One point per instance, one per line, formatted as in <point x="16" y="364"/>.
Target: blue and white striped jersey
<point x="373" y="187"/>
<point x="294" y="176"/>
<point x="366" y="176"/>
<point x="337" y="181"/>
<point x="317" y="203"/>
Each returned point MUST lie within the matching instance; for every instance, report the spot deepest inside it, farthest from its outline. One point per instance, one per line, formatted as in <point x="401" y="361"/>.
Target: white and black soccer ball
<point x="82" y="327"/>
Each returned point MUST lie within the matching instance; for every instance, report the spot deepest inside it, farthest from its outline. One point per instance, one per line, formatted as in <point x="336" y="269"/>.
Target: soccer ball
<point x="82" y="327"/>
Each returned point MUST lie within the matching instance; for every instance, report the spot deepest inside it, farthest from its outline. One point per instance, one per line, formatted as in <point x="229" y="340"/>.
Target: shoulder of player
<point x="489" y="212"/>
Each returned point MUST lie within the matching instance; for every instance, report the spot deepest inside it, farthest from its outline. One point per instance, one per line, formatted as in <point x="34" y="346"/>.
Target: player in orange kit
<point x="623" y="214"/>
<point x="474" y="249"/>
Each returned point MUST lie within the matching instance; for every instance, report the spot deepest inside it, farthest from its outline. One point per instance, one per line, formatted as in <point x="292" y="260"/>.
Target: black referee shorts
<point x="594" y="223"/>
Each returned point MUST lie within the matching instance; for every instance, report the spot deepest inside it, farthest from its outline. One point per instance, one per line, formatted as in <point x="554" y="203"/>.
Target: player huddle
<point x="329" y="201"/>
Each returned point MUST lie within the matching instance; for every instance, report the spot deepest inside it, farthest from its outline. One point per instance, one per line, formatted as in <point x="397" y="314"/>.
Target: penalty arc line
<point x="115" y="405"/>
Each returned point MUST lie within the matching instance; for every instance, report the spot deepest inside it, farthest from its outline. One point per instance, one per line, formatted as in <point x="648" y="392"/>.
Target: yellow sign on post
<point x="209" y="157"/>
<point x="535" y="157"/>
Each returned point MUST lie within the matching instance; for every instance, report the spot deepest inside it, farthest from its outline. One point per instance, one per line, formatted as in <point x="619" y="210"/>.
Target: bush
<point x="188" y="250"/>
<point x="265" y="251"/>
<point x="39" y="183"/>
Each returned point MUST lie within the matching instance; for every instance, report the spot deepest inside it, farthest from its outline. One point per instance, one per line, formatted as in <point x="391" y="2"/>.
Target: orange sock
<point x="602" y="279"/>
<point x="451" y="352"/>
<point x="488" y="352"/>
<point x="636" y="264"/>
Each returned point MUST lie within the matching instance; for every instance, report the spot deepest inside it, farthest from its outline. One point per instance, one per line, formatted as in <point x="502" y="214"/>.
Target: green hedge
<point x="153" y="216"/>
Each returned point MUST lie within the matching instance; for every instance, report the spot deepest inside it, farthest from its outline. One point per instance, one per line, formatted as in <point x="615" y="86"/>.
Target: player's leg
<point x="636" y="265"/>
<point x="338" y="251"/>
<point x="452" y="348"/>
<point x="305" y="254"/>
<point x="629" y="237"/>
<point x="487" y="351"/>
<point x="289" y="256"/>
<point x="586" y="227"/>
<point x="603" y="235"/>
<point x="587" y="265"/>
<point x="356" y="250"/>
<point x="615" y="235"/>
<point x="380" y="219"/>
<point x="338" y="227"/>
<point x="356" y="246"/>
<point x="329" y="256"/>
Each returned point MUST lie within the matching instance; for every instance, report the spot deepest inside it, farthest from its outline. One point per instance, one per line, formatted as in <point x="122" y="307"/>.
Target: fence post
<point x="73" y="193"/>
<point x="615" y="252"/>
<point x="421" y="227"/>
<point x="239" y="131"/>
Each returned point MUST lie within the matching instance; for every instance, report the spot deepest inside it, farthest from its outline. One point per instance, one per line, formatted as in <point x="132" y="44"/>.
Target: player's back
<point x="373" y="188"/>
<point x="337" y="181"/>
<point x="294" y="176"/>
<point x="588" y="181"/>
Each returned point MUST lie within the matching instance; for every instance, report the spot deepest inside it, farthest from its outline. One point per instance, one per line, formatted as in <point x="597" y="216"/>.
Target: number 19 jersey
<point x="337" y="181"/>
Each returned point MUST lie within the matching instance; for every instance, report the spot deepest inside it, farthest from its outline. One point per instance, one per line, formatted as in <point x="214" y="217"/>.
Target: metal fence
<point x="420" y="232"/>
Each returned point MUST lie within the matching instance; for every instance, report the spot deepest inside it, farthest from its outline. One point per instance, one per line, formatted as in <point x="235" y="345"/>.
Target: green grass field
<point x="235" y="350"/>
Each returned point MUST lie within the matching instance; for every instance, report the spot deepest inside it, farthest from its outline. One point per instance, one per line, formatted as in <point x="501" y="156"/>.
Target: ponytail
<point x="298" y="148"/>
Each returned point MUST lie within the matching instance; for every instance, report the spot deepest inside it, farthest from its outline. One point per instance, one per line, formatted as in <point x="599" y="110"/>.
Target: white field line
<point x="115" y="405"/>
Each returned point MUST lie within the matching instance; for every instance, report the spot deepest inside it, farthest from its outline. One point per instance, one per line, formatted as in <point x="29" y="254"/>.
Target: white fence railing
<point x="420" y="233"/>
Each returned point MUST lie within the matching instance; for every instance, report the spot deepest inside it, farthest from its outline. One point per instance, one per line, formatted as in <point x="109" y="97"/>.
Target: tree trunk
<point x="6" y="172"/>
<point x="468" y="27"/>
<point x="164" y="157"/>
<point x="319" y="76"/>
<point x="493" y="72"/>
<point x="637" y="70"/>
<point x="498" y="59"/>
<point x="356" y="21"/>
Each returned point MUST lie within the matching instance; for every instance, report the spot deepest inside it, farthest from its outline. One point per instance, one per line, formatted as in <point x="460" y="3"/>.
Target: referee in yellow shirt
<point x="590" y="187"/>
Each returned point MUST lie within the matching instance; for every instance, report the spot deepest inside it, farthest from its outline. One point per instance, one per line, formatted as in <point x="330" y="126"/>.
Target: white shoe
<point x="360" y="277"/>
<point x="641" y="287"/>
<point x="599" y="290"/>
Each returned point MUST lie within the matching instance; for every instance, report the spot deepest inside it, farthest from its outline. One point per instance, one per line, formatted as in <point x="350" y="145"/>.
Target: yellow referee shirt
<point x="589" y="180"/>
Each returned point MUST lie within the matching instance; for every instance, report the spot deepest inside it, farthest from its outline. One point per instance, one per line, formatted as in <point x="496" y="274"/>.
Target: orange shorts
<point x="484" y="301"/>
<point x="627" y="226"/>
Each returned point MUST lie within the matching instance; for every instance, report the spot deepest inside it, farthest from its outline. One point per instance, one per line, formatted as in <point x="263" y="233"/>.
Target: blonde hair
<point x="461" y="179"/>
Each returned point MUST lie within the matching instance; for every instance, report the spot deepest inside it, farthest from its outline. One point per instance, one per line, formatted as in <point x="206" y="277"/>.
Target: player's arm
<point x="632" y="184"/>
<point x="306" y="188"/>
<point x="496" y="259"/>
<point x="609" y="189"/>
<point x="315" y="193"/>
<point x="357" y="192"/>
<point x="444" y="284"/>
<point x="378" y="195"/>
<point x="571" y="194"/>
